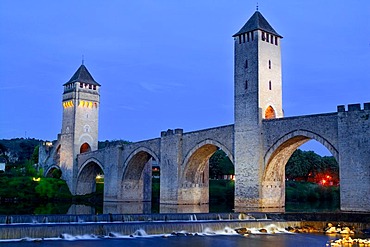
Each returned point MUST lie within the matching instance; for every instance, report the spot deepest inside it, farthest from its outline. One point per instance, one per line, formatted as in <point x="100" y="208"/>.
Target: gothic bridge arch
<point x="50" y="170"/>
<point x="135" y="181"/>
<point x="194" y="182"/>
<point x="86" y="176"/>
<point x="285" y="137"/>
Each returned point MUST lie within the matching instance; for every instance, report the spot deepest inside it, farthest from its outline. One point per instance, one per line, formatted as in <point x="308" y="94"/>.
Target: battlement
<point x="172" y="132"/>
<point x="353" y="107"/>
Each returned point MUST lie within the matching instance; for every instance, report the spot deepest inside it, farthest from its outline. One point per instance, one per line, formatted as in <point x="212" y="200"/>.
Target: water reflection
<point x="127" y="207"/>
<point x="81" y="209"/>
<point x="166" y="208"/>
<point x="137" y="208"/>
<point x="148" y="207"/>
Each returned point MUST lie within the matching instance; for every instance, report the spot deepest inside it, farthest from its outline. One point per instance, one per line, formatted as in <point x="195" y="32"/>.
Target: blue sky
<point x="169" y="64"/>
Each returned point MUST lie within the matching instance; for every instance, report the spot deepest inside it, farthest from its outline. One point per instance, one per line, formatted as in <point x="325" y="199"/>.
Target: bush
<point x="49" y="188"/>
<point x="26" y="189"/>
<point x="311" y="192"/>
<point x="221" y="190"/>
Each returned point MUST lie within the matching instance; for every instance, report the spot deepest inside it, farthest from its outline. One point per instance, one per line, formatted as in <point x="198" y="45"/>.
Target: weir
<point x="54" y="226"/>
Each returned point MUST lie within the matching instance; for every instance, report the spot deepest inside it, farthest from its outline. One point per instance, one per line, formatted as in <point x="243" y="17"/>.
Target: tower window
<point x="246" y="85"/>
<point x="90" y="86"/>
<point x="276" y="40"/>
<point x="252" y="35"/>
<point x="243" y="37"/>
<point x="94" y="87"/>
<point x="270" y="113"/>
<point x="267" y="37"/>
<point x="81" y="85"/>
<point x="270" y="87"/>
<point x="246" y="63"/>
<point x="272" y="39"/>
<point x="85" y="148"/>
<point x="248" y="36"/>
<point x="263" y="36"/>
<point x="269" y="64"/>
<point x="240" y="39"/>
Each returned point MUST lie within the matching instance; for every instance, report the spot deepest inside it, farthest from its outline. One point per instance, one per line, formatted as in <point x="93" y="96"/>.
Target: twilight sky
<point x="169" y="64"/>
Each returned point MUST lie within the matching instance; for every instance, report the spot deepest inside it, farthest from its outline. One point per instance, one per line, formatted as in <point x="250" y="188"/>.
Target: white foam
<point x="69" y="237"/>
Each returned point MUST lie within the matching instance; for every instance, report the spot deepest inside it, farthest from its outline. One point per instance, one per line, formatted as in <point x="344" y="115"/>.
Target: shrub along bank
<point x="33" y="189"/>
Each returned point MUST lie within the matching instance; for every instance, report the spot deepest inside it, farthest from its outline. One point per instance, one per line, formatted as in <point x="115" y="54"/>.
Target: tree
<point x="220" y="164"/>
<point x="35" y="155"/>
<point x="304" y="165"/>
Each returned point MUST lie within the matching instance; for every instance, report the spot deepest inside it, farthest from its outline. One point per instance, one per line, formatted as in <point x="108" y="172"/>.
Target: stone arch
<point x="57" y="154"/>
<point x="270" y="113"/>
<point x="136" y="179"/>
<point x="86" y="178"/>
<point x="48" y="173"/>
<point x="140" y="156"/>
<point x="303" y="134"/>
<point x="194" y="181"/>
<point x="273" y="178"/>
<point x="85" y="147"/>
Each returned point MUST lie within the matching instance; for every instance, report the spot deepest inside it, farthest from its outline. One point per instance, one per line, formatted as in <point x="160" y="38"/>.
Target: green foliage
<point x="56" y="173"/>
<point x="310" y="192"/>
<point x="220" y="164"/>
<point x="155" y="189"/>
<point x="305" y="164"/>
<point x="49" y="188"/>
<point x="26" y="189"/>
<point x="35" y="155"/>
<point x="111" y="143"/>
<point x="3" y="149"/>
<point x="52" y="208"/>
<point x="19" y="148"/>
<point x="221" y="190"/>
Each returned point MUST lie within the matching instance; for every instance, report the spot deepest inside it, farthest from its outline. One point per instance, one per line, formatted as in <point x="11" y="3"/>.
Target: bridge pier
<point x="171" y="156"/>
<point x="354" y="157"/>
<point x="248" y="167"/>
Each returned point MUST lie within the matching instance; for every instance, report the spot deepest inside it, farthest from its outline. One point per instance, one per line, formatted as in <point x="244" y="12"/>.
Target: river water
<point x="194" y="240"/>
<point x="234" y="240"/>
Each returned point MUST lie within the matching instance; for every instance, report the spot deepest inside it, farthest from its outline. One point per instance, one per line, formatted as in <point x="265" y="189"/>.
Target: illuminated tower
<point x="257" y="96"/>
<point x="79" y="132"/>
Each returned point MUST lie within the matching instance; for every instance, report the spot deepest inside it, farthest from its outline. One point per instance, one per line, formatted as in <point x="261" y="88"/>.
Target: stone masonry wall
<point x="354" y="157"/>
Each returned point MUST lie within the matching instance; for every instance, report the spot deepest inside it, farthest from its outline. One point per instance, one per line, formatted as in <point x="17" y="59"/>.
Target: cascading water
<point x="76" y="227"/>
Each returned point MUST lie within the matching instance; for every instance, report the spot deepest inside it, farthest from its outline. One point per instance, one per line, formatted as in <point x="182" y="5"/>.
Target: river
<point x="260" y="240"/>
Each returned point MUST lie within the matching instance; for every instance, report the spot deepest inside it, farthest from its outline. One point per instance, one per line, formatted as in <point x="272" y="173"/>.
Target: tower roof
<point x="82" y="75"/>
<point x="257" y="22"/>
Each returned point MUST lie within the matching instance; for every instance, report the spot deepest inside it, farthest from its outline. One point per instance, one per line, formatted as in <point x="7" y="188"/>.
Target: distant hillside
<point x="19" y="149"/>
<point x="107" y="143"/>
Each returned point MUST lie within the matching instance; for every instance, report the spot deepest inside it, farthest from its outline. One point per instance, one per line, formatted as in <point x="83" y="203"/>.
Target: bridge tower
<point x="257" y="96"/>
<point x="79" y="132"/>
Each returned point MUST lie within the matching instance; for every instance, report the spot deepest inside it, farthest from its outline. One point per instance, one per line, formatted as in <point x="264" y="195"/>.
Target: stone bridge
<point x="259" y="143"/>
<point x="183" y="160"/>
<point x="182" y="157"/>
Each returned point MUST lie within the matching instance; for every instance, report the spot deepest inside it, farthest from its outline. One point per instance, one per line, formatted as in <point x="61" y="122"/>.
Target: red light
<point x="323" y="181"/>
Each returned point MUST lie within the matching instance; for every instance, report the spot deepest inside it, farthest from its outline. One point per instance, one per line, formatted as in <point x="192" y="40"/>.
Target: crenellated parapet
<point x="354" y="107"/>
<point x="170" y="132"/>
